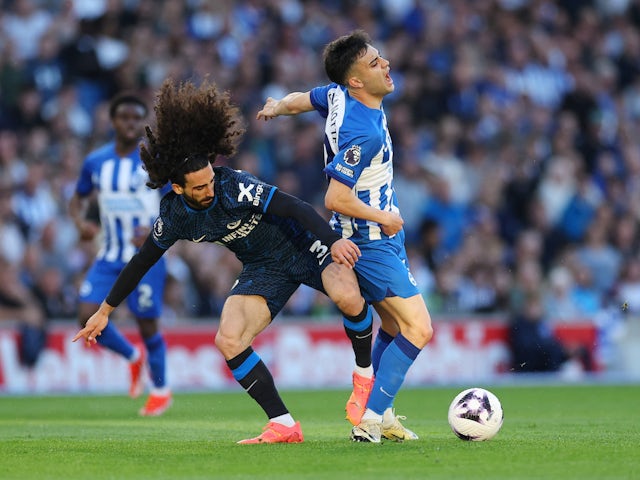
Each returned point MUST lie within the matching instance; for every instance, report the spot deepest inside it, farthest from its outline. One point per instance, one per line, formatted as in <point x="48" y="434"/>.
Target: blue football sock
<point x="383" y="339"/>
<point x="112" y="339"/>
<point x="157" y="353"/>
<point x="394" y="364"/>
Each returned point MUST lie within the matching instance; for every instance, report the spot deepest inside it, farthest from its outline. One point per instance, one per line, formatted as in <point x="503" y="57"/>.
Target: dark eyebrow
<point x="205" y="184"/>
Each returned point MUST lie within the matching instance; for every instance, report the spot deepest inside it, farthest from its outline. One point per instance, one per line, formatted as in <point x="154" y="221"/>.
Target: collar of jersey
<point x="193" y="210"/>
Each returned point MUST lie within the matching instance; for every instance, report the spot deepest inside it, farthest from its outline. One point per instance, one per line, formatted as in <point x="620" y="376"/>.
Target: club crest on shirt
<point x="158" y="227"/>
<point x="352" y="155"/>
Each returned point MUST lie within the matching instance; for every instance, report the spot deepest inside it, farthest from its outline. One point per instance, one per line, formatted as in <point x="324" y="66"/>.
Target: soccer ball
<point x="475" y="414"/>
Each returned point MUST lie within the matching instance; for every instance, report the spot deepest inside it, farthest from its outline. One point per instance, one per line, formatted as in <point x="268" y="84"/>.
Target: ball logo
<point x="352" y="155"/>
<point x="158" y="227"/>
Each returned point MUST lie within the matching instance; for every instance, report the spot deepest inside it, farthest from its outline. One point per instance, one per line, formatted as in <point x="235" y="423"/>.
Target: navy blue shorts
<point x="277" y="280"/>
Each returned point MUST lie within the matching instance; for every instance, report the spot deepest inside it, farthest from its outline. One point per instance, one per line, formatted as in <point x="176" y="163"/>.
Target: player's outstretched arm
<point x="127" y="280"/>
<point x="94" y="326"/>
<point x="292" y="104"/>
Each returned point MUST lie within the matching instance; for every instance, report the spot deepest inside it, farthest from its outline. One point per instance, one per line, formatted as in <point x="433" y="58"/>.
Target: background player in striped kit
<point x="127" y="207"/>
<point x="281" y="241"/>
<point x="359" y="164"/>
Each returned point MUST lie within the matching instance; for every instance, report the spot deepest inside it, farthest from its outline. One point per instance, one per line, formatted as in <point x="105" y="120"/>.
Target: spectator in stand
<point x="18" y="305"/>
<point x="34" y="203"/>
<point x="558" y="297"/>
<point x="625" y="237"/>
<point x="24" y="24"/>
<point x="533" y="344"/>
<point x="598" y="255"/>
<point x="628" y="287"/>
<point x="13" y="245"/>
<point x="46" y="71"/>
<point x="13" y="168"/>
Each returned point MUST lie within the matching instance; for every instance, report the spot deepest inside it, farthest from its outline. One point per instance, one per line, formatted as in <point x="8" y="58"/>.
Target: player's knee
<point x="148" y="327"/>
<point x="427" y="333"/>
<point x="420" y="334"/>
<point x="350" y="305"/>
<point x="221" y="342"/>
<point x="348" y="299"/>
<point x="229" y="346"/>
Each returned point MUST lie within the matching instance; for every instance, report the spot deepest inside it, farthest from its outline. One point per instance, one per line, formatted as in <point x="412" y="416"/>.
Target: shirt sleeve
<point x="354" y="156"/>
<point x="163" y="233"/>
<point x="84" y="186"/>
<point x="285" y="205"/>
<point x="319" y="99"/>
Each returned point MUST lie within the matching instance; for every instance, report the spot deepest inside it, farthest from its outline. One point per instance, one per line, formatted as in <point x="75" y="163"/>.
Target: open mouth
<point x="388" y="79"/>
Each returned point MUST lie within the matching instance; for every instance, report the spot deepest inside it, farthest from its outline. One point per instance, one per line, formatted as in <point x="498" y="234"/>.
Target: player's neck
<point x="124" y="148"/>
<point x="366" y="99"/>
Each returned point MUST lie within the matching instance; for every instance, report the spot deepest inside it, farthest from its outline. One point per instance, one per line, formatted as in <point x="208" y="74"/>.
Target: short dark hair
<point x="340" y="55"/>
<point x="126" y="98"/>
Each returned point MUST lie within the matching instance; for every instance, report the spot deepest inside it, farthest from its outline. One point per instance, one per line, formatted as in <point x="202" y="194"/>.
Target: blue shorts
<point x="144" y="302"/>
<point x="383" y="270"/>
<point x="277" y="280"/>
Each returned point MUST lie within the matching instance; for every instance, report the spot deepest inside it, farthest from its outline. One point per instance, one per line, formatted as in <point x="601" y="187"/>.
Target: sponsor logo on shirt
<point x="244" y="230"/>
<point x="245" y="193"/>
<point x="344" y="170"/>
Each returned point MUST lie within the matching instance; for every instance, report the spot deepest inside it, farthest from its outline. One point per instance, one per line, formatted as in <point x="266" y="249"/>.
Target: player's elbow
<point x="331" y="202"/>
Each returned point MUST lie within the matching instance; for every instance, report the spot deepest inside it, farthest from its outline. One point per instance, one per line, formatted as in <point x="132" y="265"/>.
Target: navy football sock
<point x="254" y="376"/>
<point x="359" y="329"/>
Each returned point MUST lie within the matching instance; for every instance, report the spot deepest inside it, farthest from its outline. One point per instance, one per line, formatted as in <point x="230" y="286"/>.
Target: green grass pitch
<point x="549" y="432"/>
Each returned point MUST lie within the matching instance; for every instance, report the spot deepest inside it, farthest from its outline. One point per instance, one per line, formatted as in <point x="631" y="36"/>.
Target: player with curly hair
<point x="281" y="241"/>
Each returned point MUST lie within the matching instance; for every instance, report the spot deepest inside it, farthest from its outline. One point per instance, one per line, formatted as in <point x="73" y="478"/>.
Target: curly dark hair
<point x="340" y="55"/>
<point x="193" y="126"/>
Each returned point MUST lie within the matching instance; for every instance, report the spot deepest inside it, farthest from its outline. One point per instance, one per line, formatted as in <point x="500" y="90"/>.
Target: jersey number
<point x="320" y="250"/>
<point x="145" y="293"/>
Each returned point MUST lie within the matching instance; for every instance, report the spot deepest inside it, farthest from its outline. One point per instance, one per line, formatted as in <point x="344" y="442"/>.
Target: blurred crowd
<point x="516" y="130"/>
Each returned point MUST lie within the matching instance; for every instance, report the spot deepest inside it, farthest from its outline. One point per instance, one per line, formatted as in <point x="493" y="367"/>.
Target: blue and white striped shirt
<point x="358" y="153"/>
<point x="125" y="201"/>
